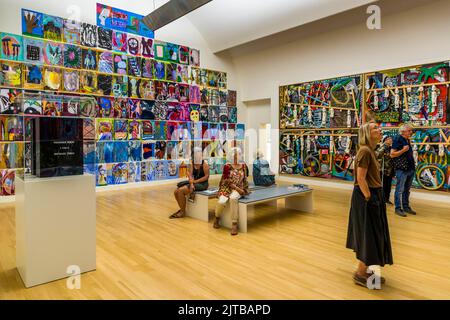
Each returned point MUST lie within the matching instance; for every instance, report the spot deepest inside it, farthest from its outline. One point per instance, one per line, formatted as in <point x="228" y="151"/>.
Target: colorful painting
<point x="161" y="170"/>
<point x="32" y="76"/>
<point x="134" y="66"/>
<point x="159" y="70"/>
<point x="147" y="47"/>
<point x="32" y="23"/>
<point x="133" y="45"/>
<point x="51" y="106"/>
<point x="33" y="50"/>
<point x="134" y="107"/>
<point x="105" y="62"/>
<point x="171" y="72"/>
<point x="148" y="131"/>
<point x="182" y="92"/>
<point x="101" y="175"/>
<point x="105" y="107"/>
<point x="12" y="47"/>
<point x="89" y="59"/>
<point x="71" y="80"/>
<point x="159" y="47"/>
<point x="121" y="108"/>
<point x="194" y="57"/>
<point x="147" y="109"/>
<point x="11" y="74"/>
<point x="104" y="129"/>
<point x="161" y="91"/>
<point x="104" y="84"/>
<point x="88" y="82"/>
<point x="120" y="151"/>
<point x="134" y="151"/>
<point x="88" y="106"/>
<point x="7" y="182"/>
<point x="114" y="18"/>
<point x="72" y="56"/>
<point x="134" y="130"/>
<point x="134" y="172"/>
<point x="146" y="89"/>
<point x="52" y="78"/>
<point x="120" y="86"/>
<point x="32" y="105"/>
<point x="171" y="52"/>
<point x="231" y="98"/>
<point x="120" y="63"/>
<point x="104" y="38"/>
<point x="88" y="129"/>
<point x="71" y="106"/>
<point x="119" y="173"/>
<point x="194" y="94"/>
<point x="119" y="41"/>
<point x="8" y="104"/>
<point x="104" y="152"/>
<point x="148" y="150"/>
<point x="223" y="114"/>
<point x="232" y="114"/>
<point x="53" y="27"/>
<point x="182" y="73"/>
<point x="71" y="31"/>
<point x="147" y="68"/>
<point x="53" y="53"/>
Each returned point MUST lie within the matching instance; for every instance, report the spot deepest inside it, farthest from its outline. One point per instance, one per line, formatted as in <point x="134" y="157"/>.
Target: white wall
<point x="411" y="37"/>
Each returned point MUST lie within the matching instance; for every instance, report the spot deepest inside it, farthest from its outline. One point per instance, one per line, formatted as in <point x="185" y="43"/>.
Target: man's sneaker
<point x="410" y="211"/>
<point x="400" y="212"/>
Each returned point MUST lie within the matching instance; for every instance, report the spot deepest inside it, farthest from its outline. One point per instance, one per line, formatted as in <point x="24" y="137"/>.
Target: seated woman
<point x="232" y="186"/>
<point x="262" y="176"/>
<point x="198" y="181"/>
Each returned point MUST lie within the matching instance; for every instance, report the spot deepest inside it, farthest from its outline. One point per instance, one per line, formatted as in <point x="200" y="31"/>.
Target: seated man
<point x="262" y="176"/>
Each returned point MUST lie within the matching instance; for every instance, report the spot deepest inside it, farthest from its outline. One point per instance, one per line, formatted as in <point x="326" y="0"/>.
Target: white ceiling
<point x="228" y="23"/>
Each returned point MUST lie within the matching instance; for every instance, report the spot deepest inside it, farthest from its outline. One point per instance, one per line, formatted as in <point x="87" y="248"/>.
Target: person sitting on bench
<point x="198" y="181"/>
<point x="262" y="176"/>
<point x="232" y="186"/>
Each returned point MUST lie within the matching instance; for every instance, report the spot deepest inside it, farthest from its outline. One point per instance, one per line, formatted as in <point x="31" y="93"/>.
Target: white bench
<point x="199" y="208"/>
<point x="296" y="199"/>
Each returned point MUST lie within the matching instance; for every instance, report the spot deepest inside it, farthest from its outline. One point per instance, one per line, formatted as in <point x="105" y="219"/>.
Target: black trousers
<point x="387" y="187"/>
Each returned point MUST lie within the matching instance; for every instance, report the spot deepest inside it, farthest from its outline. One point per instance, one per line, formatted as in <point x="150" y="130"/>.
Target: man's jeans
<point x="404" y="182"/>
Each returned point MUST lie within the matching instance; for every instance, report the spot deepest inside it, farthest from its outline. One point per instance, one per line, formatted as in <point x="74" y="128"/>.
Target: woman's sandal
<point x="177" y="215"/>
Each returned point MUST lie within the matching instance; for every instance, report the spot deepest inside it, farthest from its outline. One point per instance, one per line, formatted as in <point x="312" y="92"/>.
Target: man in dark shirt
<point x="401" y="147"/>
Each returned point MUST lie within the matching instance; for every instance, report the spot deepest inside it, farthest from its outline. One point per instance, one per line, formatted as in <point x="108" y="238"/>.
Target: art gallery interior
<point x="105" y="104"/>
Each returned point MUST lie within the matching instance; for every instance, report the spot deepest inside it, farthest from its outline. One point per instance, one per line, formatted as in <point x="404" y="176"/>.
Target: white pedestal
<point x="55" y="227"/>
<point x="199" y="208"/>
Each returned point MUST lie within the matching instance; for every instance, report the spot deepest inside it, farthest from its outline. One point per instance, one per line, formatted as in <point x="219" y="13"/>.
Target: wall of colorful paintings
<point x="146" y="103"/>
<point x="313" y="143"/>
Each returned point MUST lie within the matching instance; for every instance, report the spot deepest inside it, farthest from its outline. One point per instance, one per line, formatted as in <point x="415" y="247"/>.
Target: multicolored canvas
<point x="88" y="82"/>
<point x="119" y="41"/>
<point x="104" y="152"/>
<point x="194" y="57"/>
<point x="134" y="66"/>
<point x="171" y="52"/>
<point x="133" y="84"/>
<point x="11" y="74"/>
<point x="89" y="153"/>
<point x="172" y="170"/>
<point x="222" y="80"/>
<point x="146" y="89"/>
<point x="8" y="103"/>
<point x="119" y="173"/>
<point x="223" y="98"/>
<point x="160" y="110"/>
<point x="89" y="59"/>
<point x="172" y="94"/>
<point x="32" y="105"/>
<point x="231" y="98"/>
<point x="134" y="130"/>
<point x="72" y="56"/>
<point x="71" y="106"/>
<point x="182" y="73"/>
<point x="105" y="107"/>
<point x="147" y="109"/>
<point x="161" y="170"/>
<point x="147" y="68"/>
<point x="147" y="47"/>
<point x="204" y="113"/>
<point x="53" y="27"/>
<point x="52" y="78"/>
<point x="120" y="151"/>
<point x="32" y="76"/>
<point x="104" y="84"/>
<point x="105" y="62"/>
<point x="88" y="107"/>
<point x="223" y="114"/>
<point x="232" y="114"/>
<point x="133" y="45"/>
<point x="101" y="175"/>
<point x="120" y="129"/>
<point x="53" y="53"/>
<point x="104" y="38"/>
<point x="71" y="80"/>
<point x="159" y="70"/>
<point x="12" y="47"/>
<point x="134" y="151"/>
<point x="71" y="31"/>
<point x="205" y="96"/>
<point x="134" y="172"/>
<point x="51" y="106"/>
<point x="159" y="47"/>
<point x="7" y="182"/>
<point x="104" y="129"/>
<point x="32" y="23"/>
<point x="160" y="149"/>
<point x="194" y="79"/>
<point x="183" y="53"/>
<point x="182" y="92"/>
<point x="11" y="156"/>
<point x="121" y="108"/>
<point x="134" y="106"/>
<point x="33" y="50"/>
<point x="88" y="129"/>
<point x="148" y="131"/>
<point x="120" y="86"/>
<point x="171" y="72"/>
<point x="194" y="94"/>
<point x="148" y="150"/>
<point x="120" y="63"/>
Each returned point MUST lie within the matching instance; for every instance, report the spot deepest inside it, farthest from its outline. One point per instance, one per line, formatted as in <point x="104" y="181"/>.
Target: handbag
<point x="182" y="183"/>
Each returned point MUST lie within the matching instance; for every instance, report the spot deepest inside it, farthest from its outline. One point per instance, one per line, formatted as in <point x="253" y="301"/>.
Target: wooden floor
<point x="141" y="254"/>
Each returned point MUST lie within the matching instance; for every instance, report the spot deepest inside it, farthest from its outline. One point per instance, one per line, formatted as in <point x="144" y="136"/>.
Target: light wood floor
<point x="141" y="254"/>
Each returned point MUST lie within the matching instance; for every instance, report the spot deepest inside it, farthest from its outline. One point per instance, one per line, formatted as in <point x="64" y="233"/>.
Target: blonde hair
<point x="364" y="136"/>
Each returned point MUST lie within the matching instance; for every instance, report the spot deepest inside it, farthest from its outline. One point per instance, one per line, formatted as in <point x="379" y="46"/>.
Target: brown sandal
<point x="216" y="223"/>
<point x="177" y="215"/>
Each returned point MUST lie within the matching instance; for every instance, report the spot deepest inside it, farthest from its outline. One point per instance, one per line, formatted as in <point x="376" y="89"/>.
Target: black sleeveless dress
<point x="198" y="174"/>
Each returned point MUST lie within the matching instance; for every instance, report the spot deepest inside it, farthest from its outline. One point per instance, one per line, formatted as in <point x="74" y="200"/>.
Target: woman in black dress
<point x="368" y="230"/>
<point x="198" y="181"/>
